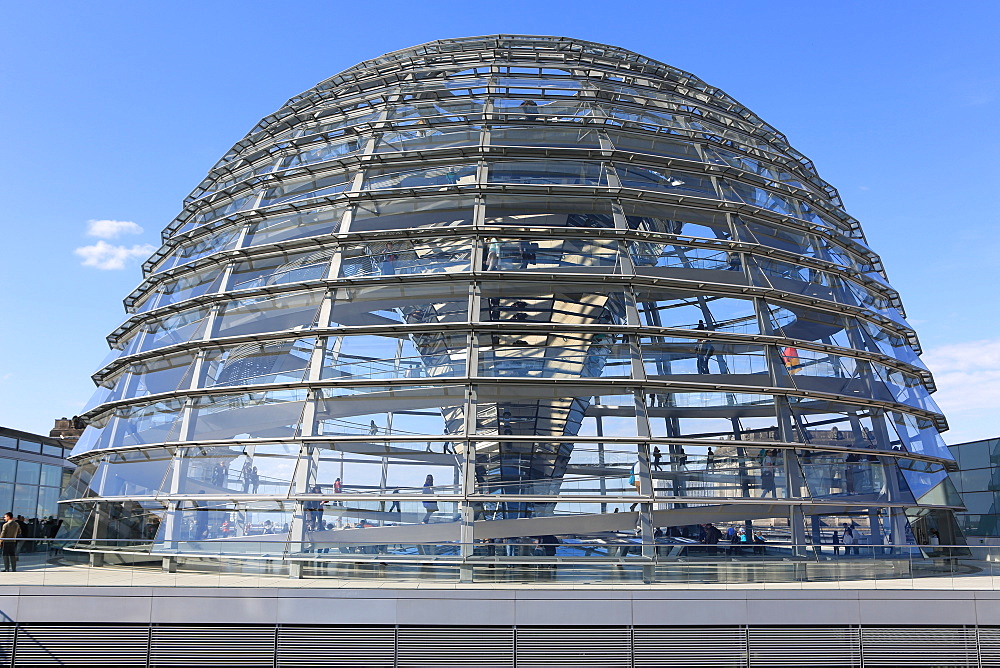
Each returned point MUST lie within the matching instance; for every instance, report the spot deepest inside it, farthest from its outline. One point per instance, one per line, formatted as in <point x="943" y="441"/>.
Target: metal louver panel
<point x="694" y="646"/>
<point x="75" y="645"/>
<point x="317" y="646"/>
<point x="919" y="646"/>
<point x="6" y="644"/>
<point x="455" y="647"/>
<point x="237" y="646"/>
<point x="989" y="648"/>
<point x="578" y="647"/>
<point x="805" y="647"/>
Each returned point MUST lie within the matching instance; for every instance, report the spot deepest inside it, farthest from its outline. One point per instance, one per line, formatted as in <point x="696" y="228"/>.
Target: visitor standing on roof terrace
<point x="9" y="533"/>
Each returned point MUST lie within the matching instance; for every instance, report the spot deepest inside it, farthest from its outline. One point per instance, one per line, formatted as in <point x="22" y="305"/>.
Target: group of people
<point x="18" y="535"/>
<point x="737" y="537"/>
<point x="249" y="477"/>
<point x="314" y="507"/>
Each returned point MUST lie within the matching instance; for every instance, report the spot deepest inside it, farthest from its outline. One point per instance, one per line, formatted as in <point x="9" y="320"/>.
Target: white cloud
<point x="103" y="255"/>
<point x="968" y="379"/>
<point x="111" y="229"/>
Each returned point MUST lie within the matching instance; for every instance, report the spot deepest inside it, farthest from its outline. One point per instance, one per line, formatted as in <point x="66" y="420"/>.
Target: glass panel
<point x="863" y="478"/>
<point x="79" y="484"/>
<point x="215" y="241"/>
<point x="322" y="152"/>
<point x="537" y="302"/>
<point x="377" y="179"/>
<point x="280" y="269"/>
<point x="738" y="191"/>
<point x="878" y="339"/>
<point x="390" y="258"/>
<point x="555" y="355"/>
<point x="348" y="472"/>
<point x="162" y="374"/>
<point x="133" y="473"/>
<point x="422" y="355"/>
<point x="403" y="214"/>
<point x="326" y="125"/>
<point x="666" y="219"/>
<point x="297" y="189"/>
<point x="51" y="476"/>
<point x="404" y="410"/>
<point x="929" y="483"/>
<point x="548" y="410"/>
<point x="562" y="110"/>
<point x="52" y="450"/>
<point x="654" y="254"/>
<point x="653" y="178"/>
<point x="919" y="435"/>
<point x="139" y="425"/>
<point x="421" y="138"/>
<point x="796" y="279"/>
<point x="29" y="445"/>
<point x="8" y="442"/>
<point x="550" y="172"/>
<point x="256" y="315"/>
<point x="653" y="145"/>
<point x="257" y="363"/>
<point x="775" y="236"/>
<point x="396" y="304"/>
<point x="541" y="136"/>
<point x="252" y="469"/>
<point x="801" y="322"/>
<point x="203" y="521"/>
<point x="747" y="163"/>
<point x="28" y="473"/>
<point x="549" y="254"/>
<point x="295" y="226"/>
<point x="204" y="215"/>
<point x="7" y="468"/>
<point x="6" y="496"/>
<point x="905" y="388"/>
<point x="25" y="500"/>
<point x="177" y="328"/>
<point x="452" y="110"/>
<point x="237" y="171"/>
<point x="664" y="357"/>
<point x="688" y="310"/>
<point x="254" y="415"/>
<point x="185" y="287"/>
<point x="546" y="212"/>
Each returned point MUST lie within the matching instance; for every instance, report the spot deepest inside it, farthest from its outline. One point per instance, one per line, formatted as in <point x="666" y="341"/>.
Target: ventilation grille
<point x="7" y="632"/>
<point x="598" y="647"/>
<point x="989" y="647"/>
<point x="805" y="647"/>
<point x="716" y="646"/>
<point x="302" y="646"/>
<point x="309" y="646"/>
<point x="920" y="646"/>
<point x="455" y="647"/>
<point x="67" y="645"/>
<point x="242" y="646"/>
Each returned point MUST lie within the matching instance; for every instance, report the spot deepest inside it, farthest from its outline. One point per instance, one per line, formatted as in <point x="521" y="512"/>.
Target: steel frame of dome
<point x="608" y="263"/>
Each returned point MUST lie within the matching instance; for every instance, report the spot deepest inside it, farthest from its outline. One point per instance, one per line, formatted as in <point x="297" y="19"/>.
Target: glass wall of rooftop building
<point x="505" y="288"/>
<point x="33" y="469"/>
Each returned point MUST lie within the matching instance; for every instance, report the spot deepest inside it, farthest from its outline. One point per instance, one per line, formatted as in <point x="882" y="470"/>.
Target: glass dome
<point x="510" y="289"/>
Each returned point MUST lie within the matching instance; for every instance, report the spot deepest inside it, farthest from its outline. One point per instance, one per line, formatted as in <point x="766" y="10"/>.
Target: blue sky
<point x="115" y="111"/>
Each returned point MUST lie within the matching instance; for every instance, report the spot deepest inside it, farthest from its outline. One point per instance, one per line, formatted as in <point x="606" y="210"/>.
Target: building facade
<point x="508" y="297"/>
<point x="978" y="483"/>
<point x="33" y="470"/>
